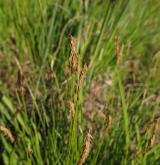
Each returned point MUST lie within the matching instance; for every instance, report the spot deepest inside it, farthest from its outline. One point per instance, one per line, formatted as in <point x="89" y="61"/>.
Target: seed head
<point x="86" y="149"/>
<point x="71" y="109"/>
<point x="119" y="50"/>
<point x="7" y="134"/>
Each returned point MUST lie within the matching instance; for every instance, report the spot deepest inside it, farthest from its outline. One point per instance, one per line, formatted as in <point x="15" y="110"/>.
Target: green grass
<point x="35" y="85"/>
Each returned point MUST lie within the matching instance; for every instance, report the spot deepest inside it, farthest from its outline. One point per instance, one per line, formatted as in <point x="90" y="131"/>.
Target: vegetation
<point x="79" y="82"/>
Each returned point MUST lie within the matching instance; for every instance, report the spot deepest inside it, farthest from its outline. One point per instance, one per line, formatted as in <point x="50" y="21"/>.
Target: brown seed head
<point x="7" y="134"/>
<point x="84" y="72"/>
<point x="119" y="50"/>
<point x="155" y="127"/>
<point x="71" y="109"/>
<point x="86" y="149"/>
<point x="105" y="129"/>
<point x="78" y="64"/>
<point x="72" y="59"/>
<point x="82" y="76"/>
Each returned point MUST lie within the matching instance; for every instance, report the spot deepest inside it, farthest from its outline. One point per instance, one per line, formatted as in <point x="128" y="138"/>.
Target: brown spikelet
<point x="86" y="149"/>
<point x="105" y="129"/>
<point x="7" y="134"/>
<point x="73" y="44"/>
<point x="72" y="59"/>
<point x="78" y="64"/>
<point x="84" y="72"/>
<point x="155" y="127"/>
<point x="119" y="50"/>
<point x="71" y="109"/>
<point x="155" y="130"/>
<point x="82" y="76"/>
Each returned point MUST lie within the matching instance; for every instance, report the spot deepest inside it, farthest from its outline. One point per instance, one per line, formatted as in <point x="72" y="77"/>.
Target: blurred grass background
<point x="35" y="86"/>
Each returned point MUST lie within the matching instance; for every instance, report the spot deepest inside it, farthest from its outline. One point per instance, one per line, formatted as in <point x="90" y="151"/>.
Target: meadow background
<point x="80" y="82"/>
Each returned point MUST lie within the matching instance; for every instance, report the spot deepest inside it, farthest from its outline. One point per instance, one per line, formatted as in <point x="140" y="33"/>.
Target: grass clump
<point x="79" y="82"/>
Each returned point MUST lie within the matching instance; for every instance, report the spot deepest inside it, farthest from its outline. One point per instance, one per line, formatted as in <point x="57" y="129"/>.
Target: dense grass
<point x="43" y="119"/>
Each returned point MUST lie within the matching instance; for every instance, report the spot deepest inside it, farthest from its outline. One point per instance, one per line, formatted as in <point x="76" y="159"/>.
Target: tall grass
<point x="50" y="53"/>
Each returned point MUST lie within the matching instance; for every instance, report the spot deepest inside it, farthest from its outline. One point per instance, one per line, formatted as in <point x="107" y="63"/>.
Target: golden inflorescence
<point x="86" y="149"/>
<point x="119" y="50"/>
<point x="7" y="134"/>
<point x="78" y="72"/>
<point x="76" y="69"/>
